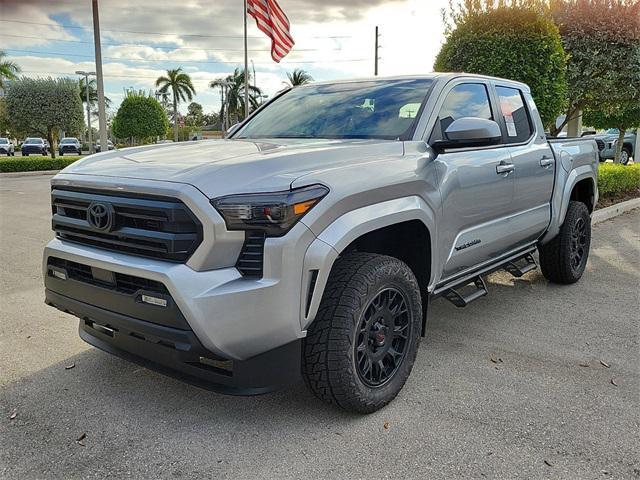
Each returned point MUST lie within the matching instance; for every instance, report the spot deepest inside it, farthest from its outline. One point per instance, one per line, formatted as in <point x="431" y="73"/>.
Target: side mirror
<point x="232" y="129"/>
<point x="469" y="132"/>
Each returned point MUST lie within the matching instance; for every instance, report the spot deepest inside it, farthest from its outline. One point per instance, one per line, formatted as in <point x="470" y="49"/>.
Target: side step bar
<point x="460" y="299"/>
<point x="517" y="265"/>
<point x="518" y="271"/>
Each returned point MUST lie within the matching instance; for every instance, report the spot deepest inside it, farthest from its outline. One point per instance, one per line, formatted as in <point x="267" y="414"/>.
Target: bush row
<point x="33" y="164"/>
<point x="615" y="179"/>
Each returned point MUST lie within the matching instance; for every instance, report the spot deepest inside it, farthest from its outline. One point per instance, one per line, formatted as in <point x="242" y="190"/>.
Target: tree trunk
<point x="621" y="132"/>
<point x="175" y="117"/>
<point x="571" y="112"/>
<point x="51" y="145"/>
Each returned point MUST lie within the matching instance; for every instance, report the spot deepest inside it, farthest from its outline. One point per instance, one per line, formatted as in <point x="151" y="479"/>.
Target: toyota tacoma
<point x="310" y="242"/>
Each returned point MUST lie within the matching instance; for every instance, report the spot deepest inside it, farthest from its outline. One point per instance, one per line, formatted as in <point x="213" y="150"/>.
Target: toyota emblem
<point x="100" y="216"/>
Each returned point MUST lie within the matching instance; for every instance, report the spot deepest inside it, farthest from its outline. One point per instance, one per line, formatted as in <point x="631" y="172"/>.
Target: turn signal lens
<point x="274" y="213"/>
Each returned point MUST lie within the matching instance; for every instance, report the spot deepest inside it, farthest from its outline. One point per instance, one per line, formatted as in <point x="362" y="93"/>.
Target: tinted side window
<point x="464" y="100"/>
<point x="515" y="114"/>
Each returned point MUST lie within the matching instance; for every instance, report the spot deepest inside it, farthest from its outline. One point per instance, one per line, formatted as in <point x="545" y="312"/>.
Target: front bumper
<point x="178" y="353"/>
<point x="39" y="151"/>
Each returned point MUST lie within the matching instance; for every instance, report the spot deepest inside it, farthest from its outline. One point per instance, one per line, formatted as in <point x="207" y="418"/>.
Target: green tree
<point x="8" y="70"/>
<point x="181" y="89"/>
<point x="602" y="40"/>
<point x="234" y="100"/>
<point x="195" y="115"/>
<point x="140" y="117"/>
<point x="45" y="106"/>
<point x="509" y="39"/>
<point x="298" y="77"/>
<point x="622" y="117"/>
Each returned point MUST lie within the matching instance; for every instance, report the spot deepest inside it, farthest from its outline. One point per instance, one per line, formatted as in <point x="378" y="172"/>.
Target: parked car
<point x="109" y="145"/>
<point x="7" y="147"/>
<point x="311" y="241"/>
<point x="608" y="141"/>
<point x="34" y="145"/>
<point x="70" y="145"/>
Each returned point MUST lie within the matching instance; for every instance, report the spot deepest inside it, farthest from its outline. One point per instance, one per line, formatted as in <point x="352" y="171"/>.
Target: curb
<point x="608" y="213"/>
<point x="28" y="174"/>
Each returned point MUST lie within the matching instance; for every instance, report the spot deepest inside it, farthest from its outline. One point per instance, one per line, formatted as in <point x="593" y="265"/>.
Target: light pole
<point x="102" y="117"/>
<point x="86" y="87"/>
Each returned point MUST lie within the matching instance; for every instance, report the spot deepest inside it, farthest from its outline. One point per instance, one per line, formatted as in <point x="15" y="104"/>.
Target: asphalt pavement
<point x="534" y="381"/>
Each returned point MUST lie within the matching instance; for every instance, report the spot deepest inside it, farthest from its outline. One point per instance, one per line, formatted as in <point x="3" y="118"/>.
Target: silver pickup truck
<point x="310" y="243"/>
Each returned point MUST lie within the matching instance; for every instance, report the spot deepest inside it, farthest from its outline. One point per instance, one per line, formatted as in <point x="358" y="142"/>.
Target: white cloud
<point x="198" y="33"/>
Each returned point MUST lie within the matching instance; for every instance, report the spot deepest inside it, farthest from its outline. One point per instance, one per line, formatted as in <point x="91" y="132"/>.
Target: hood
<point x="221" y="167"/>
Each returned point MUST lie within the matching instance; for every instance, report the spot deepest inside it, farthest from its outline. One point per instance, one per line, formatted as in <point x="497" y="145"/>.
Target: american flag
<point x="274" y="23"/>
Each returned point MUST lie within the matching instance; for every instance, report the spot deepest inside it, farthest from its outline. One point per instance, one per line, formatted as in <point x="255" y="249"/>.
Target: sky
<point x="141" y="39"/>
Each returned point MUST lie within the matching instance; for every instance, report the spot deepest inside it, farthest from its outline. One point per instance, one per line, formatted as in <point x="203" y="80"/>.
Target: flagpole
<point x="246" y="65"/>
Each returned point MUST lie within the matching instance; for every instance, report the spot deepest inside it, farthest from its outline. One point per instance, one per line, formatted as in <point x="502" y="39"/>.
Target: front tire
<point x="625" y="155"/>
<point x="360" y="349"/>
<point x="563" y="259"/>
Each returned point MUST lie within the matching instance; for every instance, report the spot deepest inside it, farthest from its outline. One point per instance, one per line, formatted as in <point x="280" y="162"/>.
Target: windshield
<point x="385" y="109"/>
<point x="612" y="131"/>
<point x="68" y="140"/>
<point x="31" y="141"/>
<point x="4" y="140"/>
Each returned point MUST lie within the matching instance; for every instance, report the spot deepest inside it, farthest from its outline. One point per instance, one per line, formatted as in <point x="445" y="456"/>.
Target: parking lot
<point x="533" y="381"/>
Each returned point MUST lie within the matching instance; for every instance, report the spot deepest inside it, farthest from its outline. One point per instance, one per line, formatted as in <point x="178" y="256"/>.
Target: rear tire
<point x="361" y="347"/>
<point x="563" y="259"/>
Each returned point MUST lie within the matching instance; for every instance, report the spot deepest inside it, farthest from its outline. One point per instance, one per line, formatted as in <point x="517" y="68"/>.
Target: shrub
<point x="615" y="179"/>
<point x="510" y="40"/>
<point x="140" y="117"/>
<point x="34" y="164"/>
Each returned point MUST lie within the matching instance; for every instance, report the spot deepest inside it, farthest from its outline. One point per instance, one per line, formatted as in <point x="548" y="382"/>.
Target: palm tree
<point x="8" y="70"/>
<point x="234" y="101"/>
<point x="298" y="77"/>
<point x="181" y="88"/>
<point x="93" y="93"/>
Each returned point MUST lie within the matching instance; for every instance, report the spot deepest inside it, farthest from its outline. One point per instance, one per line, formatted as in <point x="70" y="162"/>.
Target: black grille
<point x="123" y="283"/>
<point x="148" y="226"/>
<point x="251" y="259"/>
<point x="600" y="144"/>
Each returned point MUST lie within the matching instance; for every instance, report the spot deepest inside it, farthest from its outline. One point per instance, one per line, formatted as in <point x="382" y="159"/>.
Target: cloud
<point x="142" y="38"/>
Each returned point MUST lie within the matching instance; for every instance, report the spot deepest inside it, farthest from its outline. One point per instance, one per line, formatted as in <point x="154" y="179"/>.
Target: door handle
<point x="505" y="168"/>
<point x="546" y="162"/>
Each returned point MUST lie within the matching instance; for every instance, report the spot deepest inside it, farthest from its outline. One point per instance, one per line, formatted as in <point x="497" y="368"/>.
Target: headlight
<point x="273" y="213"/>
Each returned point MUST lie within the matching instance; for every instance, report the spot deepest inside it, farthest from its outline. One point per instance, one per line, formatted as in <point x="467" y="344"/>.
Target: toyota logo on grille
<point x="100" y="216"/>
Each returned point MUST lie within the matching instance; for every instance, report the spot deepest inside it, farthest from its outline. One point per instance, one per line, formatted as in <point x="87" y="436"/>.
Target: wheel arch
<point x="396" y="228"/>
<point x="581" y="185"/>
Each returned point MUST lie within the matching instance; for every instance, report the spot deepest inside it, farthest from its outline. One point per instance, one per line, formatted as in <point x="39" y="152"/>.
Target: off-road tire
<point x="556" y="257"/>
<point x="329" y="358"/>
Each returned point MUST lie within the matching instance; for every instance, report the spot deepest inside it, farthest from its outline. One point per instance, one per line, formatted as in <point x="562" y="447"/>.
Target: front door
<point x="476" y="185"/>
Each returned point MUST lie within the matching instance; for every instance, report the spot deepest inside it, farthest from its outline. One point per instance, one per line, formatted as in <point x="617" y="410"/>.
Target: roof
<point x="434" y="75"/>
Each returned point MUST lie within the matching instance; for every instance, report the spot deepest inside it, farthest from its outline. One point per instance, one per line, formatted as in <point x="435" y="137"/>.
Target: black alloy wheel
<point x="383" y="337"/>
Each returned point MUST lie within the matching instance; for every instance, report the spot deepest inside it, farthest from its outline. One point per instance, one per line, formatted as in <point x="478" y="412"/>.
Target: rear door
<point x="476" y="199"/>
<point x="532" y="158"/>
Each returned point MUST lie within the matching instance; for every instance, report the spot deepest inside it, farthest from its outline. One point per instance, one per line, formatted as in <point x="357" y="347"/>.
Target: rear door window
<point x="515" y="115"/>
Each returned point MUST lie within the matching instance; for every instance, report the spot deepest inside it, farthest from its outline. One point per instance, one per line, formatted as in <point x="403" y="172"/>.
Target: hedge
<point x="615" y="179"/>
<point x="33" y="163"/>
